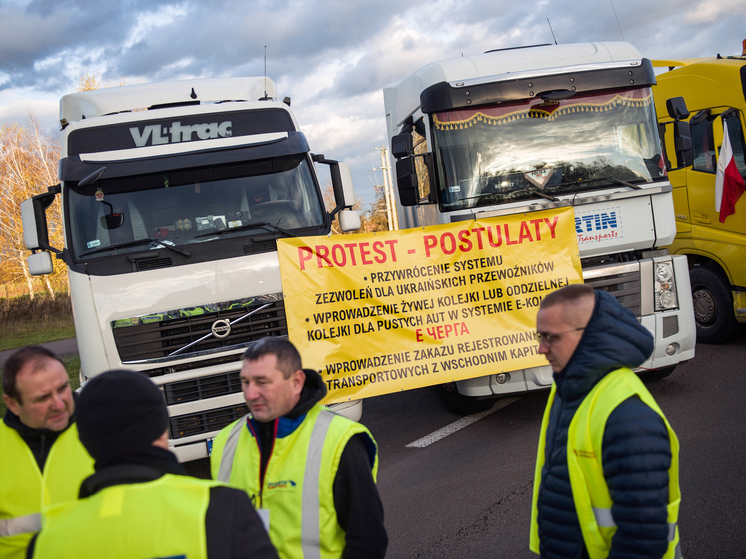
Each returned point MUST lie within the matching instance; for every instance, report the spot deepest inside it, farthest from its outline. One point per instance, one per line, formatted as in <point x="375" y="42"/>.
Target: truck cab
<point x="173" y="197"/>
<point x="714" y="90"/>
<point x="523" y="130"/>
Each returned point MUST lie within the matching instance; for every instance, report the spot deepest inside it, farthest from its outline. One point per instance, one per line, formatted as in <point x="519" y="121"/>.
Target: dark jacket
<point x="232" y="527"/>
<point x="356" y="500"/>
<point x="636" y="450"/>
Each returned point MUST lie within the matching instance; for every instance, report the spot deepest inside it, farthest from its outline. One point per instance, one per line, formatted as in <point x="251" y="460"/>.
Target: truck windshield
<point x="193" y="206"/>
<point x="515" y="151"/>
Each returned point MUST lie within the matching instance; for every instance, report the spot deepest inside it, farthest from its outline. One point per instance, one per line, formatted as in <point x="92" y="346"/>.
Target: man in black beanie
<point x="140" y="502"/>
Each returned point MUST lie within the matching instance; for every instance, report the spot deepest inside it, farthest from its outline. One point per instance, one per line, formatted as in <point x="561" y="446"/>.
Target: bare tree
<point x="28" y="164"/>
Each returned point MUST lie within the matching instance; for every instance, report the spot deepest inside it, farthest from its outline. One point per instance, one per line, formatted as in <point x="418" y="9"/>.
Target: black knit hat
<point x="119" y="411"/>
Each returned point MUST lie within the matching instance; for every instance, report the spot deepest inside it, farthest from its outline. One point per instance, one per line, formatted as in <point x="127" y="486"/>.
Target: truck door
<point x="707" y="132"/>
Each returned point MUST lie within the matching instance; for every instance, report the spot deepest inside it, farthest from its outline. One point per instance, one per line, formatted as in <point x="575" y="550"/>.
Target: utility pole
<point x="388" y="190"/>
<point x="391" y="190"/>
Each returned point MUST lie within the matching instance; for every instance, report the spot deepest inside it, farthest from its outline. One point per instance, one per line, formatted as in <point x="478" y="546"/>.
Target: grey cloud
<point x="222" y="36"/>
<point x="44" y="29"/>
<point x="25" y="36"/>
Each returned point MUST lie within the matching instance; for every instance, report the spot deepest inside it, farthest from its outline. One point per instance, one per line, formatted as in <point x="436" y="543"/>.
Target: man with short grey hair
<point x="607" y="471"/>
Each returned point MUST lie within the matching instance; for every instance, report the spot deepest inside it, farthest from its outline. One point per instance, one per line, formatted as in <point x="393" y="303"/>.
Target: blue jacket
<point x="636" y="450"/>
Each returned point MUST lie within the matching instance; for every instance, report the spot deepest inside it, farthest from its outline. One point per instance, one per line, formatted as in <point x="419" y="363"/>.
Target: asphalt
<point x="63" y="348"/>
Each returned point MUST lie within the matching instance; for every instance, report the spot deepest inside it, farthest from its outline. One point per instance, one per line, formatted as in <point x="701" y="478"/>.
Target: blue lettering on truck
<point x="598" y="225"/>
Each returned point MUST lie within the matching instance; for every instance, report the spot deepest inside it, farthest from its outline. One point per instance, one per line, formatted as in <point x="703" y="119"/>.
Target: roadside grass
<point x="72" y="364"/>
<point x="25" y="321"/>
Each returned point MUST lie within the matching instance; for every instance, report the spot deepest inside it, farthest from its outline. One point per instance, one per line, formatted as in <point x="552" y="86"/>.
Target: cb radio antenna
<point x="617" y="19"/>
<point x="552" y="30"/>
<point x="266" y="95"/>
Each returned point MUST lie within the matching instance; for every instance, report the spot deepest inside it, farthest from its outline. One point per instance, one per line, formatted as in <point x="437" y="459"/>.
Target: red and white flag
<point x="728" y="182"/>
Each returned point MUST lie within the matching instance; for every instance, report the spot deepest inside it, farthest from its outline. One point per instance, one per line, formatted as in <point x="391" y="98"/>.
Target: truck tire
<point x="460" y="404"/>
<point x="713" y="306"/>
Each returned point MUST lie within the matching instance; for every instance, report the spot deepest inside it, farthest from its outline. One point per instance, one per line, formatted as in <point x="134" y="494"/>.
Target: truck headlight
<point x="665" y="286"/>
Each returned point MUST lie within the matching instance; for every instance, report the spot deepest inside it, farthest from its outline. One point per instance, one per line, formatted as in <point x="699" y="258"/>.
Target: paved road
<point x="469" y="494"/>
<point x="63" y="348"/>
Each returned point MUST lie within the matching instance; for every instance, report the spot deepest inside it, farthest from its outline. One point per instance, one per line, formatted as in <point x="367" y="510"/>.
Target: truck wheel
<point x="713" y="306"/>
<point x="460" y="404"/>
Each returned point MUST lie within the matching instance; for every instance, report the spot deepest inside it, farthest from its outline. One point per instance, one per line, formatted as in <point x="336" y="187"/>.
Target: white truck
<point x="526" y="129"/>
<point x="173" y="197"/>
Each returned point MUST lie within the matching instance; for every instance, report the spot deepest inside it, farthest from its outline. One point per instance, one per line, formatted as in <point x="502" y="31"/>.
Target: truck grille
<point x="201" y="388"/>
<point x="192" y="365"/>
<point x="205" y="422"/>
<point x="624" y="285"/>
<point x="158" y="336"/>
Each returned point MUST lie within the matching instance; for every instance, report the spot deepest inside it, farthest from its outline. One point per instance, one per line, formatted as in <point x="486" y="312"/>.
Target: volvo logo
<point x="221" y="328"/>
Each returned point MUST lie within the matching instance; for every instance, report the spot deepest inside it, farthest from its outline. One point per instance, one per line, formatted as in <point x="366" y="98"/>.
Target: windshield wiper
<point x="137" y="242"/>
<point x="625" y="183"/>
<point x="258" y="225"/>
<point x="502" y="194"/>
<point x="599" y="179"/>
<point x="540" y="193"/>
<point x="92" y="178"/>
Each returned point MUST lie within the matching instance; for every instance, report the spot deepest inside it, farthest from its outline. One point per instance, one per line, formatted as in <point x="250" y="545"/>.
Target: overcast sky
<point x="332" y="57"/>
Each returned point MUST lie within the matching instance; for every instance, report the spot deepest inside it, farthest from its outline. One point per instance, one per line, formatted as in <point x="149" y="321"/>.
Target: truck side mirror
<point x="677" y="108"/>
<point x="40" y="263"/>
<point x="349" y="220"/>
<point x="682" y="134"/>
<point x="31" y="235"/>
<point x="407" y="181"/>
<point x="34" y="220"/>
<point x="344" y="193"/>
<point x="401" y="145"/>
<point x="682" y="137"/>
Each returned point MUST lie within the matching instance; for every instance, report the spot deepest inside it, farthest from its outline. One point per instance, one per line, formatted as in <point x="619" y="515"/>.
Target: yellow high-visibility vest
<point x="160" y="518"/>
<point x="24" y="489"/>
<point x="298" y="484"/>
<point x="584" y="461"/>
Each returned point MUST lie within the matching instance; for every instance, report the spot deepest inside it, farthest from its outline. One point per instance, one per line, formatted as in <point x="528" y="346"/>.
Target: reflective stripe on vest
<point x="20" y="525"/>
<point x="605" y="519"/>
<point x="311" y="535"/>
<point x="229" y="451"/>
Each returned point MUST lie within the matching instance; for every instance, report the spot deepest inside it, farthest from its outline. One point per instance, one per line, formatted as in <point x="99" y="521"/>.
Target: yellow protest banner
<point x="384" y="312"/>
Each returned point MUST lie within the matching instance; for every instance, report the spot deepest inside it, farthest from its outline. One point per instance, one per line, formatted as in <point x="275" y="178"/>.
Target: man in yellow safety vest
<point x="607" y="470"/>
<point x="310" y="472"/>
<point x="43" y="461"/>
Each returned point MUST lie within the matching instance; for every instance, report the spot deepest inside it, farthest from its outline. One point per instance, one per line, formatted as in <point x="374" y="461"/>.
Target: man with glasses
<point x="607" y="472"/>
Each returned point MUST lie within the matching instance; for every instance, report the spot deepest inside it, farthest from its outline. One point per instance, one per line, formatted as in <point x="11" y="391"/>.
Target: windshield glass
<point x="501" y="153"/>
<point x="191" y="206"/>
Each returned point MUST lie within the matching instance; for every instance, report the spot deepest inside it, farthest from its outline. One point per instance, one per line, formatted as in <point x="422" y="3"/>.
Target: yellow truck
<point x="714" y="90"/>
